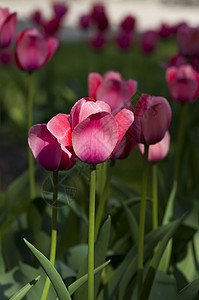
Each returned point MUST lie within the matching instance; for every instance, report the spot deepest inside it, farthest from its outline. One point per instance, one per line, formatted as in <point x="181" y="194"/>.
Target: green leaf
<point x="156" y="259"/>
<point x="190" y="291"/>
<point x="133" y="226"/>
<point x="51" y="272"/>
<point x="2" y="263"/>
<point x="22" y="292"/>
<point x="164" y="287"/>
<point x="75" y="285"/>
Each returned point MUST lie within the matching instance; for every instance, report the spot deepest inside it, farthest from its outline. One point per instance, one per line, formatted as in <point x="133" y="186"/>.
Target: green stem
<point x="142" y="221"/>
<point x="30" y="156"/>
<point x="155" y="196"/>
<point x="53" y="233"/>
<point x="103" y="199"/>
<point x="91" y="234"/>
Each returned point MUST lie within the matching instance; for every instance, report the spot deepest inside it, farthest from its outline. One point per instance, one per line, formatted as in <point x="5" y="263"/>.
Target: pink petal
<point x="86" y="107"/>
<point x="60" y="127"/>
<point x="4" y="13"/>
<point x="31" y="52"/>
<point x="68" y="159"/>
<point x="132" y="86"/>
<point x="52" y="44"/>
<point x="156" y="121"/>
<point x="95" y="138"/>
<point x="7" y="30"/>
<point x="45" y="147"/>
<point x="184" y="89"/>
<point x="171" y="74"/>
<point x="112" y="75"/>
<point x="94" y="81"/>
<point x="124" y="118"/>
<point x="113" y="92"/>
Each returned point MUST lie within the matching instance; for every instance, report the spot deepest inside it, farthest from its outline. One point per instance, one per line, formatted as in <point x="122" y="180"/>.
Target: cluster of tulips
<point x="100" y="127"/>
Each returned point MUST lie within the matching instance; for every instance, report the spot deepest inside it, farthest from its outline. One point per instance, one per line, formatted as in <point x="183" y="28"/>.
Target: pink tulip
<point x="60" y="9"/>
<point x="8" y="24"/>
<point x="128" y="24"/>
<point x="159" y="150"/>
<point x="149" y="41"/>
<point x="85" y="21"/>
<point x="124" y="40"/>
<point x="51" y="144"/>
<point x="183" y="83"/>
<point x="112" y="89"/>
<point x="5" y="57"/>
<point x="152" y="119"/>
<point x="32" y="50"/>
<point x="95" y="131"/>
<point x="98" y="41"/>
<point x="99" y="17"/>
<point x="165" y="30"/>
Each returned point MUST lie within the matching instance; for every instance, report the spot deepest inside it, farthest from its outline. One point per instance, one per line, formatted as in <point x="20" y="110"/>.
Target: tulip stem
<point x="103" y="198"/>
<point x="53" y="233"/>
<point x="91" y="234"/>
<point x="142" y="221"/>
<point x="155" y="196"/>
<point x="30" y="156"/>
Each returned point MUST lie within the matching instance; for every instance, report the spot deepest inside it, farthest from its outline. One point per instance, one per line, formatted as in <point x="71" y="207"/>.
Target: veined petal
<point x="44" y="146"/>
<point x="95" y="138"/>
<point x="60" y="127"/>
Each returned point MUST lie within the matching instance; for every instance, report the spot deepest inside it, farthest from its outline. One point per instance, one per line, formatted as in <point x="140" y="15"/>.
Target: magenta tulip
<point x="149" y="41"/>
<point x="188" y="40"/>
<point x="112" y="89"/>
<point x="60" y="9"/>
<point x="85" y="21"/>
<point x="124" y="40"/>
<point x="8" y="22"/>
<point x="165" y="30"/>
<point x="128" y="24"/>
<point x="98" y="41"/>
<point x="183" y="83"/>
<point x="99" y="17"/>
<point x="32" y="50"/>
<point x="159" y="150"/>
<point x="95" y="131"/>
<point x="51" y="143"/>
<point x="152" y="119"/>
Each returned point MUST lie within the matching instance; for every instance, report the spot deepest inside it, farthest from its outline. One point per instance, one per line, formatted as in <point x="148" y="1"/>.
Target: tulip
<point x="98" y="41"/>
<point x="8" y="22"/>
<point x="159" y="150"/>
<point x="183" y="83"/>
<point x="5" y="57"/>
<point x="188" y="40"/>
<point x="124" y="40"/>
<point x="128" y="24"/>
<point x="85" y="21"/>
<point x="60" y="9"/>
<point x="112" y="89"/>
<point x="95" y="131"/>
<point x="32" y="50"/>
<point x="51" y="144"/>
<point x="152" y="119"/>
<point x="165" y="31"/>
<point x="149" y="41"/>
<point x="99" y="17"/>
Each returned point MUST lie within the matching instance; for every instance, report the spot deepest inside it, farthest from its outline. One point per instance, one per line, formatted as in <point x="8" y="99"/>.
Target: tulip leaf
<point x="51" y="272"/>
<point x="190" y="291"/>
<point x="75" y="285"/>
<point x="22" y="292"/>
<point x="157" y="257"/>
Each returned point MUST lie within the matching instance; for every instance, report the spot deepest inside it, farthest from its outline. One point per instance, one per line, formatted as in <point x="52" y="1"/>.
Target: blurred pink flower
<point x="5" y="57"/>
<point x="188" y="40"/>
<point x="112" y="89"/>
<point x="159" y="150"/>
<point x="149" y="41"/>
<point x="8" y="22"/>
<point x="32" y="50"/>
<point x="51" y="143"/>
<point x="152" y="119"/>
<point x="124" y="40"/>
<point x="183" y="83"/>
<point x="99" y="17"/>
<point x="85" y="21"/>
<point x="98" y="41"/>
<point x="128" y="24"/>
<point x="165" y="30"/>
<point x="95" y="131"/>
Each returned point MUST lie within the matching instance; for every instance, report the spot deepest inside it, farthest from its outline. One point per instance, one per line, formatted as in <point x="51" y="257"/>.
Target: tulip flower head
<point x="152" y="119"/>
<point x="8" y="22"/>
<point x="112" y="89"/>
<point x="159" y="150"/>
<point x="32" y="50"/>
<point x="95" y="131"/>
<point x="51" y="143"/>
<point x="149" y="41"/>
<point x="183" y="83"/>
<point x="124" y="40"/>
<point x="188" y="40"/>
<point x="128" y="24"/>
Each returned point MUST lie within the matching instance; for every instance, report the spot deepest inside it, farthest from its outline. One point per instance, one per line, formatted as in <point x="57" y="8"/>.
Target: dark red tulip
<point x="128" y="24"/>
<point x="149" y="41"/>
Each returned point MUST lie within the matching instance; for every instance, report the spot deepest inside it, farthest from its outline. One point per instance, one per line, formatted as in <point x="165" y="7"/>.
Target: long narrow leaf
<point x="24" y="290"/>
<point x="190" y="291"/>
<point x="51" y="272"/>
<point x="75" y="285"/>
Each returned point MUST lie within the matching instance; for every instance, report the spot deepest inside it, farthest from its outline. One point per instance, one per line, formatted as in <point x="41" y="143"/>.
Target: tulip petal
<point x="184" y="89"/>
<point x="52" y="44"/>
<point x="113" y="92"/>
<point x="156" y="121"/>
<point x="45" y="147"/>
<point x="68" y="159"/>
<point x="132" y="86"/>
<point x="31" y="52"/>
<point x="171" y="74"/>
<point x="95" y="138"/>
<point x="7" y="30"/>
<point x="112" y="75"/>
<point x="60" y="127"/>
<point x="94" y="81"/>
<point x="124" y="118"/>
